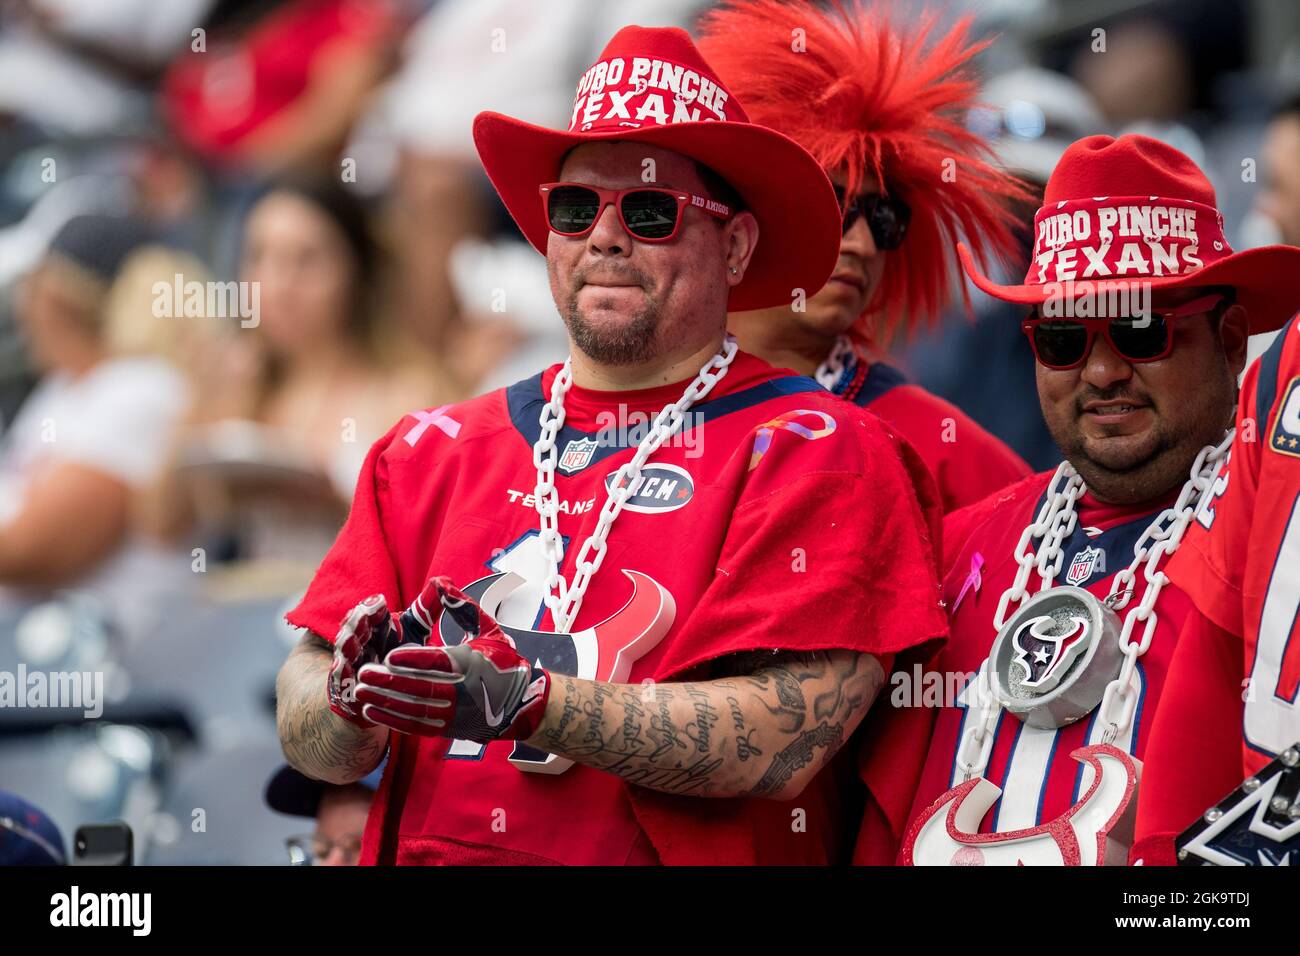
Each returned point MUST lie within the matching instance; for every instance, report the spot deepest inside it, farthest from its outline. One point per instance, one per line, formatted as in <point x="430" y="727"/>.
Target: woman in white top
<point x="95" y="430"/>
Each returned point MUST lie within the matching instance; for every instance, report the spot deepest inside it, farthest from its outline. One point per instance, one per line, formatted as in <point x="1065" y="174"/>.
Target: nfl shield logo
<point x="1085" y="564"/>
<point x="577" y="455"/>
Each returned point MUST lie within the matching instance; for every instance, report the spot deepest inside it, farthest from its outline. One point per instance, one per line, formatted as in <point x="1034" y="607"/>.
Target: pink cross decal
<point x="449" y="426"/>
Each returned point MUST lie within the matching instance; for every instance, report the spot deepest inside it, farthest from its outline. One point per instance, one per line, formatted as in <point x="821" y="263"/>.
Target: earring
<point x="733" y="270"/>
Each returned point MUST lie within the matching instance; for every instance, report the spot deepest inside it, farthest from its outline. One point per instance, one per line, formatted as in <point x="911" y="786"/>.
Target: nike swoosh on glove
<point x="367" y="634"/>
<point x="480" y="689"/>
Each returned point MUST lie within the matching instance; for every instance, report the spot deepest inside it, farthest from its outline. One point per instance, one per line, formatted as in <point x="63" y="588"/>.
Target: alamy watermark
<point x="1098" y="300"/>
<point x="74" y="690"/>
<point x="627" y="429"/>
<point x="930" y="688"/>
<point x="191" y="299"/>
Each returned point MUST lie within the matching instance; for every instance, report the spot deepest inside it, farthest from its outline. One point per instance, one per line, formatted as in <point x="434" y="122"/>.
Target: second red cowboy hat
<point x="1163" y="230"/>
<point x="652" y="86"/>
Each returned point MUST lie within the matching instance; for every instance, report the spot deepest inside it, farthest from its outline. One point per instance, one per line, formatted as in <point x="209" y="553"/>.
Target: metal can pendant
<point x="1052" y="660"/>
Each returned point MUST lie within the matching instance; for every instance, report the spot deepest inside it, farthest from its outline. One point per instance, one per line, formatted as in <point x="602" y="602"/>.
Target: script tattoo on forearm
<point x="315" y="740"/>
<point x="711" y="738"/>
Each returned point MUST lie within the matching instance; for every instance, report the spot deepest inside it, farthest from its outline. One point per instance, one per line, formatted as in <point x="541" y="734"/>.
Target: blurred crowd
<point x="240" y="238"/>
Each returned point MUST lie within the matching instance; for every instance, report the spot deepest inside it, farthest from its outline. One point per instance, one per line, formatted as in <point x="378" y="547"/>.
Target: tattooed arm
<point x="765" y="733"/>
<point x="317" y="741"/>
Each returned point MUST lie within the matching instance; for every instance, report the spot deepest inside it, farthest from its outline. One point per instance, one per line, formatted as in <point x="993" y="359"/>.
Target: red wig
<point x="865" y="96"/>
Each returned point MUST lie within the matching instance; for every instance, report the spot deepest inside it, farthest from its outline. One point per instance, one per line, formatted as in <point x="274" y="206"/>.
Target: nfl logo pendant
<point x="576" y="455"/>
<point x="1086" y="563"/>
<point x="1052" y="660"/>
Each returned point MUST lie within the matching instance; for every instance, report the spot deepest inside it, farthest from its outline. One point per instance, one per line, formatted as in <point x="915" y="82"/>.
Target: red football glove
<point x="366" y="635"/>
<point x="479" y="690"/>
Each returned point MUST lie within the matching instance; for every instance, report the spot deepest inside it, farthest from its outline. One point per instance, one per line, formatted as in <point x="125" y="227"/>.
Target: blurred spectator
<point x="1274" y="217"/>
<point x="340" y="813"/>
<point x="278" y="87"/>
<point x="985" y="367"/>
<point x="81" y="69"/>
<point x="288" y="402"/>
<point x="1145" y="73"/>
<point x="1280" y="200"/>
<point x="96" y="427"/>
<point x="1162" y="61"/>
<point x="27" y="836"/>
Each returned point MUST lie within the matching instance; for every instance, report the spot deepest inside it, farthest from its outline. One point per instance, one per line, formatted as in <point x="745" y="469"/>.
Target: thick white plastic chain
<point x="1055" y="522"/>
<point x="565" y="600"/>
<point x="829" y="372"/>
<point x="1056" y="519"/>
<point x="1159" y="541"/>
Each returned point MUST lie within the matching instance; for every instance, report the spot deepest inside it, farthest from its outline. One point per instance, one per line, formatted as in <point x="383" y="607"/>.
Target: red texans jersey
<point x="1236" y="704"/>
<point x="778" y="517"/>
<point x="967" y="462"/>
<point x="910" y="759"/>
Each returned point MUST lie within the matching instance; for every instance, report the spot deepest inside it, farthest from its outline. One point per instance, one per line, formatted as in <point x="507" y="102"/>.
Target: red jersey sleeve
<point x="1191" y="760"/>
<point x="968" y="462"/>
<point x="360" y="562"/>
<point x="824" y="550"/>
<point x="830" y="559"/>
<point x="1210" y="562"/>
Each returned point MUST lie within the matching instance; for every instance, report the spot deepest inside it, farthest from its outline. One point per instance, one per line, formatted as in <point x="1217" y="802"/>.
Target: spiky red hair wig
<point x="866" y="96"/>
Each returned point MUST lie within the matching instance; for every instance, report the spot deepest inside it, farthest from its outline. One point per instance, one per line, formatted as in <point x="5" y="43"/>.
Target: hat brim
<point x="782" y="185"/>
<point x="297" y="795"/>
<point x="1263" y="280"/>
<point x="293" y="793"/>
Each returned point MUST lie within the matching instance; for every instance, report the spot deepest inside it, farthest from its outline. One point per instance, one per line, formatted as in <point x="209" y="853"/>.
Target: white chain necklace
<point x="1056" y="520"/>
<point x="830" y="372"/>
<point x="563" y="599"/>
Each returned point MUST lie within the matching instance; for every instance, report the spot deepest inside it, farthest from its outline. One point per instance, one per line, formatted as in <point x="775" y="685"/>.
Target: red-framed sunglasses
<point x="1066" y="343"/>
<point x="649" y="213"/>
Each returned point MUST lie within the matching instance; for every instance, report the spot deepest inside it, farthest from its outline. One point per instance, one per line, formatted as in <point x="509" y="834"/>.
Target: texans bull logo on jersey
<point x="1096" y="831"/>
<point x="1045" y="656"/>
<point x="604" y="651"/>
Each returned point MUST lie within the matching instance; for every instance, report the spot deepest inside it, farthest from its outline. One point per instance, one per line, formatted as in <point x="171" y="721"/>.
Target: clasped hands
<point x="386" y="671"/>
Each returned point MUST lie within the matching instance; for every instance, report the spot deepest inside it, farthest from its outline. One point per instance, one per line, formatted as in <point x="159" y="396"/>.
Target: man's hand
<point x="479" y="690"/>
<point x="366" y="636"/>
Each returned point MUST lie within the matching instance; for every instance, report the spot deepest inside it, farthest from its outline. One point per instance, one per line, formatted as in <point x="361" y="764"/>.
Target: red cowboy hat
<point x="1164" y="231"/>
<point x="652" y="86"/>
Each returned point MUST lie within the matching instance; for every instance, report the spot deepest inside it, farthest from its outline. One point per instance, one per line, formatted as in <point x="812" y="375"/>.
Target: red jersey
<point x="220" y="101"/>
<point x="967" y="462"/>
<point x="779" y="517"/>
<point x="1235" y="706"/>
<point x="910" y="758"/>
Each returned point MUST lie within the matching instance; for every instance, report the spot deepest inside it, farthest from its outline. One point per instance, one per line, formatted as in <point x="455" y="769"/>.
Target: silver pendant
<point x="1052" y="660"/>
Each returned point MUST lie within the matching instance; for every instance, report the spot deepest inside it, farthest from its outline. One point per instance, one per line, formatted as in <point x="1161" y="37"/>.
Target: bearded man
<point x="1063" y="624"/>
<point x="537" y="705"/>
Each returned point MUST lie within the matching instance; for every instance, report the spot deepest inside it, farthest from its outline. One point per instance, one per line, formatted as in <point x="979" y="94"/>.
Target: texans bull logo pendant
<point x="1096" y="831"/>
<point x="1052" y="660"/>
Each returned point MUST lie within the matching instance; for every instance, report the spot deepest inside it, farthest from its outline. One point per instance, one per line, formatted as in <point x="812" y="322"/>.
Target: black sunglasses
<point x="1064" y="343"/>
<point x="887" y="217"/>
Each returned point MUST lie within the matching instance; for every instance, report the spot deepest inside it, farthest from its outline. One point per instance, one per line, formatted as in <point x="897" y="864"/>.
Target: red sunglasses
<point x="1066" y="343"/>
<point x="649" y="213"/>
